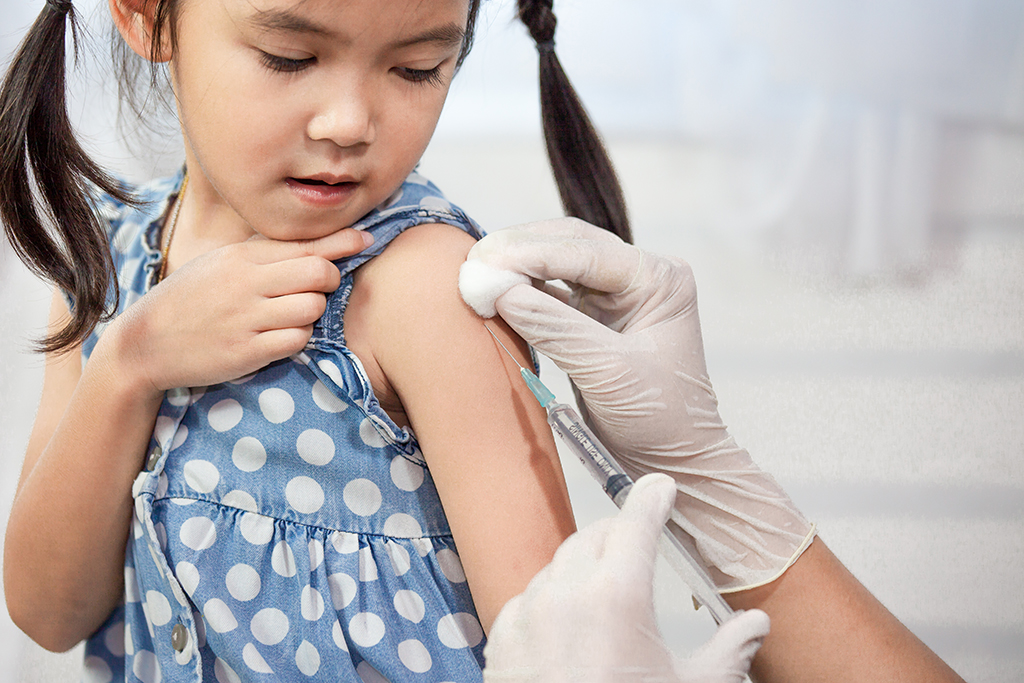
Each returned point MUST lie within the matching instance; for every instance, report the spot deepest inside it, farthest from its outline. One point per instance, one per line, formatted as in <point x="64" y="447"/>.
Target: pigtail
<point x="583" y="171"/>
<point x="38" y="151"/>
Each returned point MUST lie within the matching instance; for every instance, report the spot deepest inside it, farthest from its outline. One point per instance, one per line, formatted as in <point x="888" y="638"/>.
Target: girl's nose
<point x="346" y="119"/>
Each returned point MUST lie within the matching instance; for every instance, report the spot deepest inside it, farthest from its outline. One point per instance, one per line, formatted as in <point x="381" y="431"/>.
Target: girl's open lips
<point x="321" y="192"/>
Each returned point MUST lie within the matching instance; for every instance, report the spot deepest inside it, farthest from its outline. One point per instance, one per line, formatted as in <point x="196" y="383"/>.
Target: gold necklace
<point x="170" y="228"/>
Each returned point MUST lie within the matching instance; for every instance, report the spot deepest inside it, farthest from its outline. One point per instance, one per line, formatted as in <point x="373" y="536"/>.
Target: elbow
<point x="50" y="628"/>
<point x="49" y="633"/>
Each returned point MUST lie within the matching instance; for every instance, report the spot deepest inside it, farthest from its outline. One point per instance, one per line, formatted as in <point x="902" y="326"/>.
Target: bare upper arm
<point x="61" y="375"/>
<point x="486" y="440"/>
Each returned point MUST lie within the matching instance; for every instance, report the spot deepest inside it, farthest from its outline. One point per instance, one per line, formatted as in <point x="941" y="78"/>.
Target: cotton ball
<point x="481" y="285"/>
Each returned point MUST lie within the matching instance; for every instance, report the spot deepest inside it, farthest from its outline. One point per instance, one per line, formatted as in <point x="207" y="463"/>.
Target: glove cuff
<point x="743" y="525"/>
<point x="792" y="560"/>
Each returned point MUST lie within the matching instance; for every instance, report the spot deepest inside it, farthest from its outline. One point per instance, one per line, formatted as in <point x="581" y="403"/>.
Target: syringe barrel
<point x="591" y="452"/>
<point x="682" y="557"/>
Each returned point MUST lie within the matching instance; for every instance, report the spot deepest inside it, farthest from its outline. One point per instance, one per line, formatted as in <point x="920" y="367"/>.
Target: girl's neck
<point x="204" y="223"/>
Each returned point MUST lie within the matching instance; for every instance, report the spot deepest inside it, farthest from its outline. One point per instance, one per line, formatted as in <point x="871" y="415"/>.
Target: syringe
<point x="567" y="423"/>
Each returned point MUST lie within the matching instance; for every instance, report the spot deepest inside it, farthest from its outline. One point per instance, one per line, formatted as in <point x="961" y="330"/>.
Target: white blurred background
<point x="846" y="178"/>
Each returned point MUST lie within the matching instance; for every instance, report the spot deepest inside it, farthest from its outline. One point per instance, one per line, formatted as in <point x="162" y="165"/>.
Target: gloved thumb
<point x="727" y="657"/>
<point x="641" y="520"/>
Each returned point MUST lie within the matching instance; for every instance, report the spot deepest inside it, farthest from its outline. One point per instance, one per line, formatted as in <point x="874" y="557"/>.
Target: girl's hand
<point x="231" y="311"/>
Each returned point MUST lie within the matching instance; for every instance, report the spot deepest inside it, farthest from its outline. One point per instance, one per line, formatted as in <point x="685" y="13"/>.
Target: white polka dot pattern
<point x="316" y="554"/>
<point x="188" y="576"/>
<point x="146" y="667"/>
<point x="198" y="533"/>
<point x="249" y="454"/>
<point x="283" y="560"/>
<point x="225" y="415"/>
<point x="414" y="656"/>
<point x="304" y="495"/>
<point x="312" y="604"/>
<point x="343" y="590"/>
<point x="295" y="514"/>
<point x="254" y="660"/>
<point x="326" y="400"/>
<point x="315" y="447"/>
<point x="158" y="607"/>
<point x="224" y="673"/>
<point x="459" y="630"/>
<point x="366" y="629"/>
<point x="362" y="497"/>
<point x="270" y="626"/>
<point x="219" y="616"/>
<point x="410" y="605"/>
<point x="201" y="476"/>
<point x="277" y="405"/>
<point x="243" y="582"/>
<point x="307" y="659"/>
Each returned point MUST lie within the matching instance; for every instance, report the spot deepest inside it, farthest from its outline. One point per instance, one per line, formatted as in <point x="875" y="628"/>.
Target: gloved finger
<point x="586" y="546"/>
<point x="607" y="266"/>
<point x="734" y="643"/>
<point x="555" y="329"/>
<point x="567" y="226"/>
<point x="640" y="523"/>
<point x="504" y="623"/>
<point x="558" y="289"/>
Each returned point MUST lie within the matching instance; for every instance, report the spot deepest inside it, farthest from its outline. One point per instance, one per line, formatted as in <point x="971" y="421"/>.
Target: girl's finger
<point x="303" y="274"/>
<point x="276" y="344"/>
<point x="332" y="247"/>
<point x="291" y="310"/>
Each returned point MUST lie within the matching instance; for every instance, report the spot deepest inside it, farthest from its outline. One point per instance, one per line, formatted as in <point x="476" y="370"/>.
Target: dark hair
<point x="47" y="179"/>
<point x="38" y="151"/>
<point x="584" y="173"/>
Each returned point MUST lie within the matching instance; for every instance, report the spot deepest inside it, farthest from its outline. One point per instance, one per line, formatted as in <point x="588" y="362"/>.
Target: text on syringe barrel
<point x="601" y="464"/>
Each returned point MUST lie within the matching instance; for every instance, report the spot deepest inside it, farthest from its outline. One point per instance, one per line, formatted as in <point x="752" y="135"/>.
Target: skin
<point x="826" y="626"/>
<point x="324" y="90"/>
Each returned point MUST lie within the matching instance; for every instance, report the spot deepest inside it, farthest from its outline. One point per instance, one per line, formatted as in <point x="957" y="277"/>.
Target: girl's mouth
<point x="312" y="181"/>
<point x="320" y="192"/>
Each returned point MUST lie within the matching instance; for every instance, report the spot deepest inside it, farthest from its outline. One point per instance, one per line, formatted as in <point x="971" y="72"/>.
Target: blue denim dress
<point x="285" y="528"/>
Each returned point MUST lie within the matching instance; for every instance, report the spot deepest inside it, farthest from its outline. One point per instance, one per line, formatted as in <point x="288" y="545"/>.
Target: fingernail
<point x="367" y="238"/>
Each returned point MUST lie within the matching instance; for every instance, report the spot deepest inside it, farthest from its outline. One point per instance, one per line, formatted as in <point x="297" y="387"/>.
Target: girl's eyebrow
<point x="287" y="22"/>
<point x="448" y="35"/>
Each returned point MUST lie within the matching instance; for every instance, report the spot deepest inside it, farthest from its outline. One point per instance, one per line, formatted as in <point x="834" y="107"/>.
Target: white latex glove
<point x="630" y="340"/>
<point x="589" y="615"/>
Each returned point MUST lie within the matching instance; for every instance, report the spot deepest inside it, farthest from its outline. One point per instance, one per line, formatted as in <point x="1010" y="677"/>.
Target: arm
<point x="248" y="304"/>
<point x="487" y="442"/>
<point x="826" y="626"/>
<point x="64" y="549"/>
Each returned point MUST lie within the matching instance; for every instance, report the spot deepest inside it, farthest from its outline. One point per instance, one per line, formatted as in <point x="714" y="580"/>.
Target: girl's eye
<point x="276" y="63"/>
<point x="428" y="76"/>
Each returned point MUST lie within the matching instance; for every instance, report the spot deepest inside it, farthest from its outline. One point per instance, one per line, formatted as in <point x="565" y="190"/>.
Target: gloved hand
<point x="628" y="335"/>
<point x="589" y="615"/>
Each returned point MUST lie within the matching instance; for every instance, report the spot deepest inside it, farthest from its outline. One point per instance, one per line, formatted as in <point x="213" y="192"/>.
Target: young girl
<point x="281" y="519"/>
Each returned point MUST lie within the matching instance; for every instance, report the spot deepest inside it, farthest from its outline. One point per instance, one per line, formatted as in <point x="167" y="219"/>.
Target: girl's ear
<point x="134" y="21"/>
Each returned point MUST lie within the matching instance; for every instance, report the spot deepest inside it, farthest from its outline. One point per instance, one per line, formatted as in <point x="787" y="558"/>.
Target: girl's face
<point x="300" y="117"/>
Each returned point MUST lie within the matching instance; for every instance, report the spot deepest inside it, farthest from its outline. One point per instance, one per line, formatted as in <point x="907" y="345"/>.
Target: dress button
<point x="179" y="638"/>
<point x="154" y="457"/>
